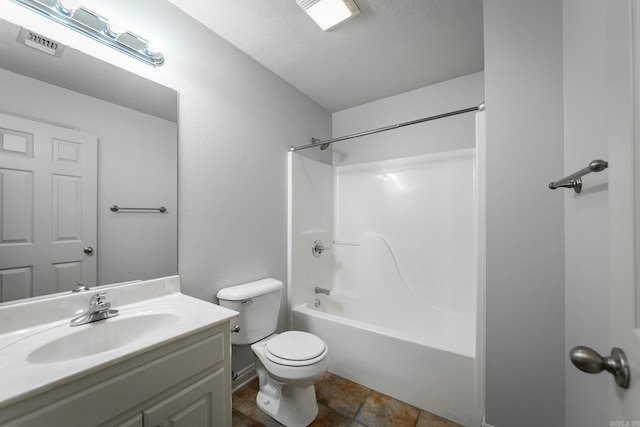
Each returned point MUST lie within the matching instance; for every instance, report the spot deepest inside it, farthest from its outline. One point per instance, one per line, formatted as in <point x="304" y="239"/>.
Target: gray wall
<point x="452" y="133"/>
<point x="525" y="358"/>
<point x="237" y="121"/>
<point x="586" y="215"/>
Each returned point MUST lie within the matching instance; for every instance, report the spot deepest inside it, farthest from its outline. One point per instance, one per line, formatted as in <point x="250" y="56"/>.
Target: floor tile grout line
<point x="353" y="419"/>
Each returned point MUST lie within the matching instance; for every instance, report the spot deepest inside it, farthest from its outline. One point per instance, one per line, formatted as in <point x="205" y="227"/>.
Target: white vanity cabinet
<point x="183" y="383"/>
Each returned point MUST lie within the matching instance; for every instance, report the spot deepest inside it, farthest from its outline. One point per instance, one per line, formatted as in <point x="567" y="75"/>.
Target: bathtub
<point x="428" y="363"/>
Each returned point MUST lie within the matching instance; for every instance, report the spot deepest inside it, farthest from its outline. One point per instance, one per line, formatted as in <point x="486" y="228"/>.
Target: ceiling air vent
<point x="41" y="43"/>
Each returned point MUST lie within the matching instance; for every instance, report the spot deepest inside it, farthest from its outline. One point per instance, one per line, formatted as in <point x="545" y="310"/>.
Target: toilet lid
<point x="295" y="346"/>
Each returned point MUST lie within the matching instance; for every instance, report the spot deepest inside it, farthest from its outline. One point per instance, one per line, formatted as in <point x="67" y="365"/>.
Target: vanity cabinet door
<point x="200" y="404"/>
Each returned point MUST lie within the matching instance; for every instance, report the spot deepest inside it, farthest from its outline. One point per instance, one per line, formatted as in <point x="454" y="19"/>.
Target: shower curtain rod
<point x="324" y="144"/>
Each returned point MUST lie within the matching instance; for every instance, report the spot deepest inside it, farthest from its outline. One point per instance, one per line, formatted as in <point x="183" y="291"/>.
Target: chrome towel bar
<point x="116" y="208"/>
<point x="575" y="181"/>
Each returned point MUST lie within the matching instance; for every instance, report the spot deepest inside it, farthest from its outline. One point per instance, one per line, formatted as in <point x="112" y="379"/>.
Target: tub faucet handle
<point x="318" y="248"/>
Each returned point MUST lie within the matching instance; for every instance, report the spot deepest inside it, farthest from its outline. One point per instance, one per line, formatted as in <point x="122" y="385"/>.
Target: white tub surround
<point x="156" y="332"/>
<point x="404" y="245"/>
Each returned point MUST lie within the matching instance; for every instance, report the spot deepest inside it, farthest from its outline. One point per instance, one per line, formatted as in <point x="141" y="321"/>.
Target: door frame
<point x="623" y="58"/>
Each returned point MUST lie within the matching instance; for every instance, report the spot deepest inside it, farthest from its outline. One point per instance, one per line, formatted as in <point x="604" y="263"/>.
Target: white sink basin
<point x="103" y="336"/>
<point x="39" y="349"/>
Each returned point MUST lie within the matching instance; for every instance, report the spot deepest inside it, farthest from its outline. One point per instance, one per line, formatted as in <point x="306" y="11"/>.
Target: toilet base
<point x="294" y="407"/>
<point x="287" y="393"/>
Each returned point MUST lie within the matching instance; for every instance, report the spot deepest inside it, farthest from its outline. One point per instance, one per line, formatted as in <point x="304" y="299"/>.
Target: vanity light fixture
<point x="329" y="13"/>
<point x="96" y="27"/>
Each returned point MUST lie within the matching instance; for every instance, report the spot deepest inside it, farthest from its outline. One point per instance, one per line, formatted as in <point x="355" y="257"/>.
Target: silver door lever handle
<point x="588" y="360"/>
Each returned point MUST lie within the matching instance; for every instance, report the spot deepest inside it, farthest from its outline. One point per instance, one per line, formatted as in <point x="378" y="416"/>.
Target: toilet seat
<point x="295" y="348"/>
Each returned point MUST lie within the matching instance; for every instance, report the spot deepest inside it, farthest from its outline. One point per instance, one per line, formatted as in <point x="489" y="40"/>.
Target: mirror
<point x="135" y="123"/>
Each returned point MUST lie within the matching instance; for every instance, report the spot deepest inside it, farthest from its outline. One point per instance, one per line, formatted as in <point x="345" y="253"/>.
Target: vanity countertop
<point x="39" y="349"/>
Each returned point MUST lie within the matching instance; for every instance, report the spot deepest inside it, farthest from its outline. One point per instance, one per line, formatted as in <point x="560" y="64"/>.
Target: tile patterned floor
<point x="342" y="403"/>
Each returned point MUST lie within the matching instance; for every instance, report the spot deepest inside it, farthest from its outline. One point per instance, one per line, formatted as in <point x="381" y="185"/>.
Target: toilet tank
<point x="259" y="306"/>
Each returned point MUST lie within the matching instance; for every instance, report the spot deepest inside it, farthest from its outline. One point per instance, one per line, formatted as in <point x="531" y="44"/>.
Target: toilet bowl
<point x="288" y="365"/>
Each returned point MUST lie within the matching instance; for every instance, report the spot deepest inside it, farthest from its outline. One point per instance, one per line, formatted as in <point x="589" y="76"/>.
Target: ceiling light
<point x="329" y="13"/>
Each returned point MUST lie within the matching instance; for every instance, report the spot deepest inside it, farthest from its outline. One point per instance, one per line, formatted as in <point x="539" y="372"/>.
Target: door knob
<point x="88" y="250"/>
<point x="588" y="360"/>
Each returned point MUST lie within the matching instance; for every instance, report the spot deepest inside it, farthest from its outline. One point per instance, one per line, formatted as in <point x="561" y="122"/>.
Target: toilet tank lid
<point x="249" y="290"/>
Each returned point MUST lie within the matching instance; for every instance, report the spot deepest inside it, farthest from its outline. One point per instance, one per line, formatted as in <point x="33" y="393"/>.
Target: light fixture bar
<point x="96" y="27"/>
<point x="329" y="13"/>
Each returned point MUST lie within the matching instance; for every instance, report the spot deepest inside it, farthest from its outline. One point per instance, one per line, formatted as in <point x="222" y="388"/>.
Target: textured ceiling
<point x="391" y="47"/>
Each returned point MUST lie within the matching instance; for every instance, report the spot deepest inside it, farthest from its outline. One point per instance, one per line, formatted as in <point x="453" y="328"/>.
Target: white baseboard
<point x="244" y="377"/>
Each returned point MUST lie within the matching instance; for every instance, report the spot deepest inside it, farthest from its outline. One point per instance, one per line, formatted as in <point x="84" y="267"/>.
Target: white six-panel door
<point x="48" y="196"/>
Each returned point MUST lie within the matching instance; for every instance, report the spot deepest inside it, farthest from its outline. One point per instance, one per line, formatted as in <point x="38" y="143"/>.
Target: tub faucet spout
<point x="320" y="290"/>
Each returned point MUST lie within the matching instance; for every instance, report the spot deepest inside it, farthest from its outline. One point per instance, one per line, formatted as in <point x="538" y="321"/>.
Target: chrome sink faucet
<point x="99" y="309"/>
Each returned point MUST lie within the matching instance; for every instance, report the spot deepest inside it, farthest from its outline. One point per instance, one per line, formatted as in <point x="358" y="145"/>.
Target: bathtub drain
<point x="317" y="303"/>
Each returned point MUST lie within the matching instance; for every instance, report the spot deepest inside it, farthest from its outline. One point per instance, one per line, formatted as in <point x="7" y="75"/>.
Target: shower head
<point x="324" y="146"/>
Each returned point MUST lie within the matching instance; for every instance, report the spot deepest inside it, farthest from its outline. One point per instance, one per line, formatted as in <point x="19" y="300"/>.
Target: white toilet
<point x="287" y="364"/>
